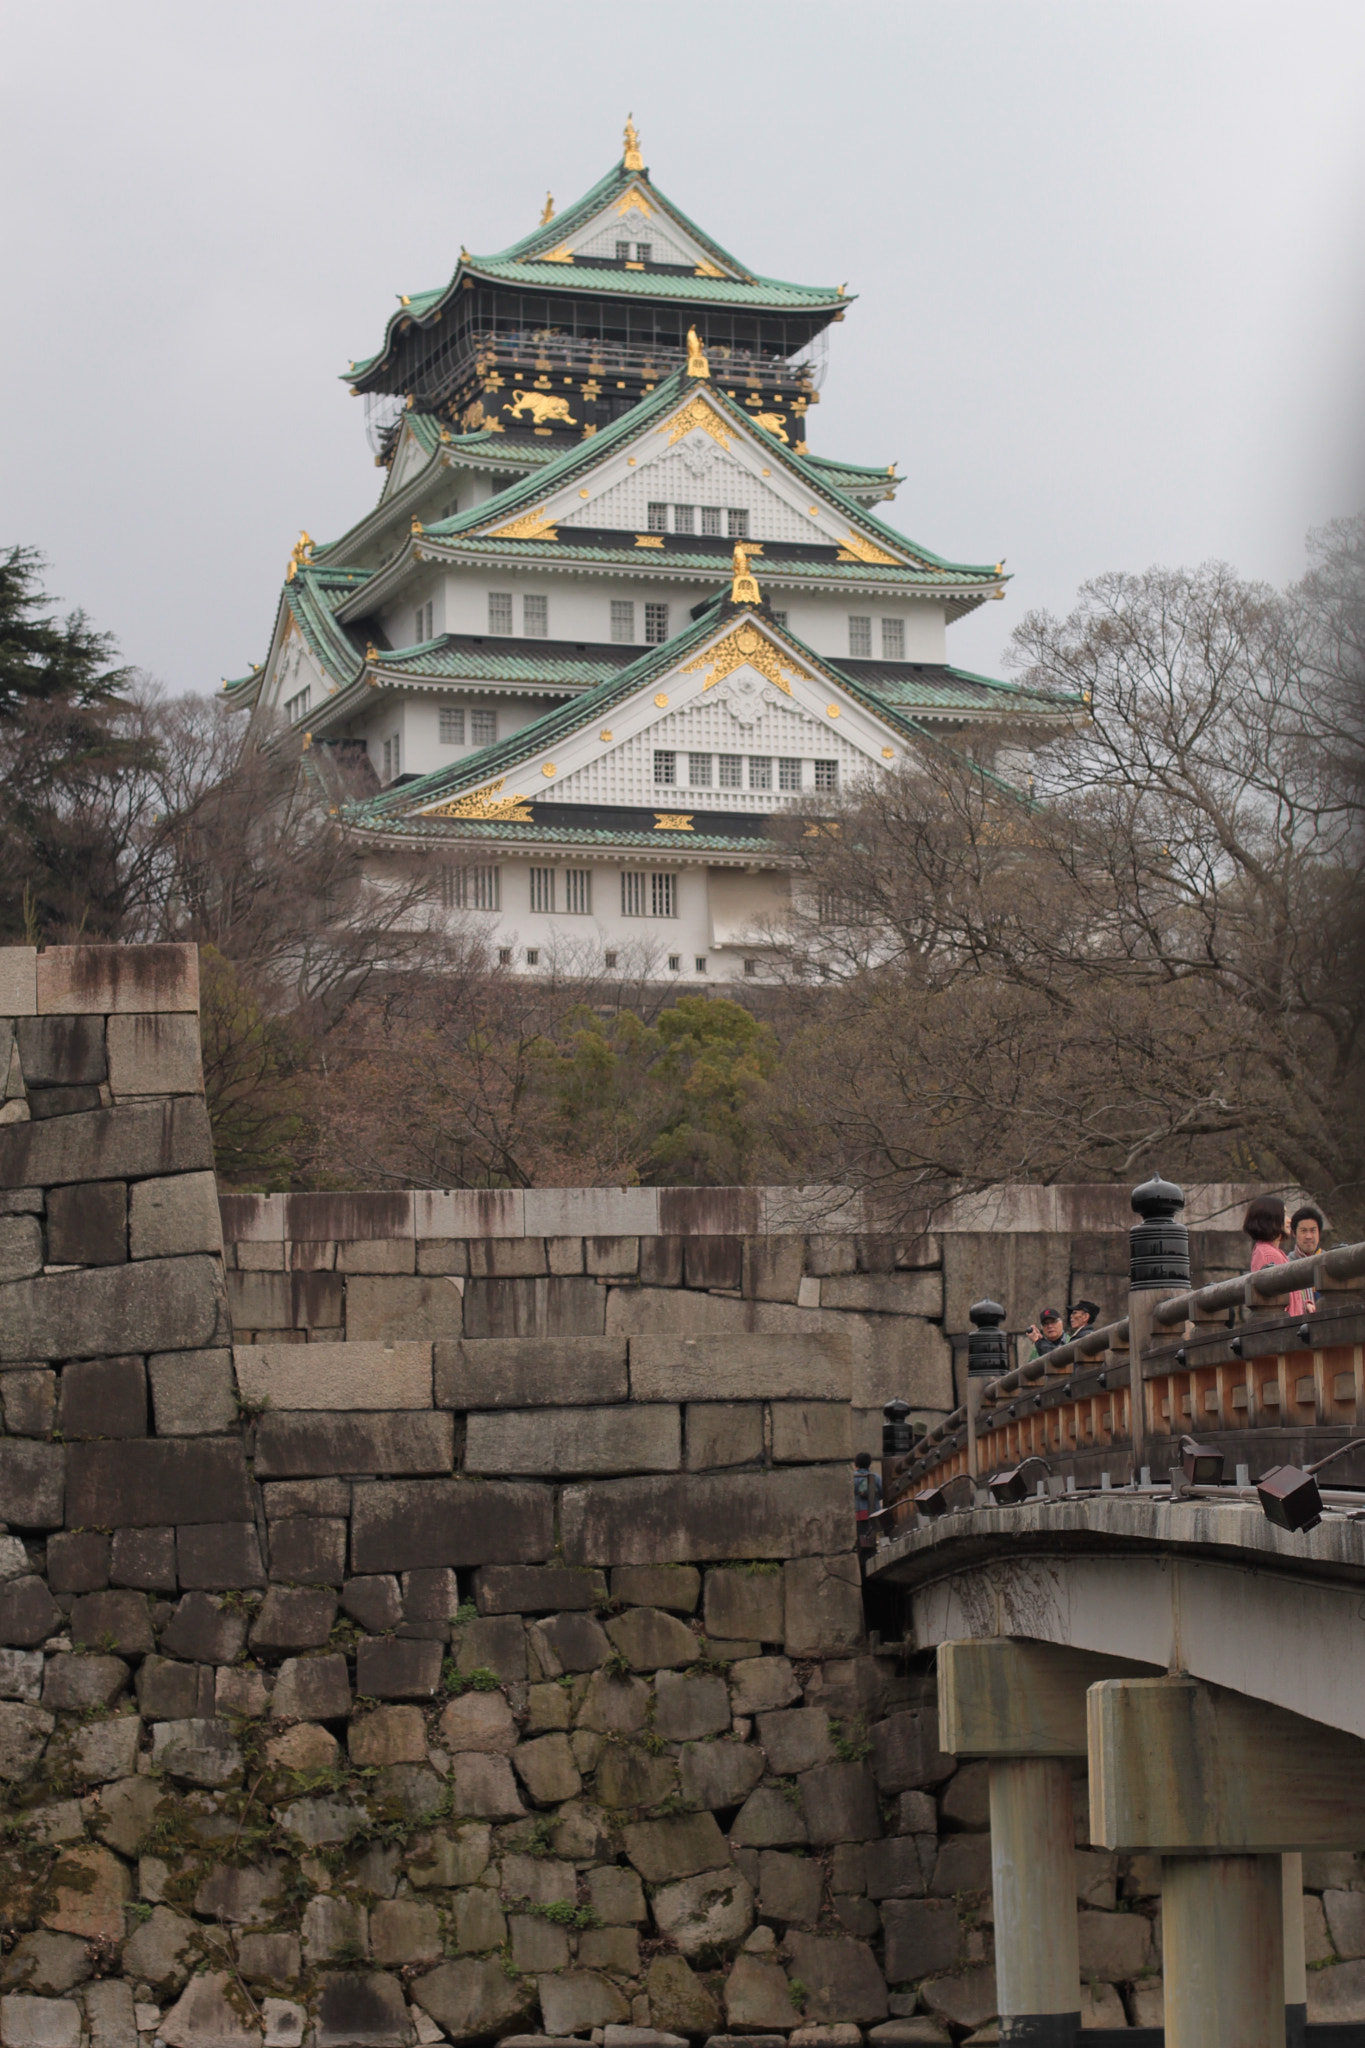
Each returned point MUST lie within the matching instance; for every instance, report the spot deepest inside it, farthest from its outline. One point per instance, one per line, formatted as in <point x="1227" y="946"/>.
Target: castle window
<point x="859" y="636"/>
<point x="738" y="522"/>
<point x="296" y="707"/>
<point x="608" y="959"/>
<point x="543" y="889"/>
<point x="663" y="895"/>
<point x="649" y="895"/>
<point x="656" y="624"/>
<point x="751" y="967"/>
<point x="623" y="620"/>
<point x="483" y="727"/>
<point x="665" y="767"/>
<point x="452" y="728"/>
<point x="788" y="774"/>
<point x="701" y="963"/>
<point x="893" y="639"/>
<point x="658" y="518"/>
<point x="504" y="956"/>
<point x="623" y="252"/>
<point x="422" y="620"/>
<point x="391" y="758"/>
<point x="682" y="518"/>
<point x="472" y="889"/>
<point x="535" y="617"/>
<point x="760" y="771"/>
<point x="675" y="963"/>
<point x="643" y="251"/>
<point x="578" y="892"/>
<point x="827" y="775"/>
<point x="710" y="519"/>
<point x="699" y="771"/>
<point x="499" y="611"/>
<point x="533" y="956"/>
<point x="730" y="771"/>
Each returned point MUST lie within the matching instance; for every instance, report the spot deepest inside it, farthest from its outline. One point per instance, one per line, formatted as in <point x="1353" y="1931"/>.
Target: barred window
<point x="656" y="624"/>
<point x="296" y="707"/>
<point x="543" y="889"/>
<point x="683" y="518"/>
<point x="701" y="963"/>
<point x="452" y="728"/>
<point x="788" y="774"/>
<point x="578" y="892"/>
<point x="738" y="520"/>
<point x="476" y="888"/>
<point x="504" y="956"/>
<point x="760" y="771"/>
<point x="665" y="766"/>
<point x="859" y="636"/>
<point x="675" y="963"/>
<point x="663" y="895"/>
<point x="751" y="967"/>
<point x="623" y="252"/>
<point x="533" y="956"/>
<point x="710" y="519"/>
<point x="499" y="611"/>
<point x="730" y="771"/>
<point x="634" y="895"/>
<point x="893" y="639"/>
<point x="535" y="617"/>
<point x="608" y="959"/>
<point x="643" y="251"/>
<point x="483" y="727"/>
<point x="623" y="620"/>
<point x="827" y="775"/>
<point x="658" y="517"/>
<point x="649" y="895"/>
<point x="699" y="771"/>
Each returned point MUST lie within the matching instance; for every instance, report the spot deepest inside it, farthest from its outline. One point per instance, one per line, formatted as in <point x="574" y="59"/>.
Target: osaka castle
<point x="611" y="616"/>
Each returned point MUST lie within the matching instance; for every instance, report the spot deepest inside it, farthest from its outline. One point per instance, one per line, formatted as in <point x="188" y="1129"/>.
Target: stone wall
<point x="501" y="1667"/>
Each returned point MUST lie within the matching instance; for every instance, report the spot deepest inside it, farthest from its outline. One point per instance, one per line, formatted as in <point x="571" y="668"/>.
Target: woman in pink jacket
<point x="1264" y="1225"/>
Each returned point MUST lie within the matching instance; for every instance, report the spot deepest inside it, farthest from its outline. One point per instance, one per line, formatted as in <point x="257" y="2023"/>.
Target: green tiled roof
<point x="428" y="429"/>
<point x="455" y="658"/>
<point x="766" y="568"/>
<point x="549" y="234"/>
<point x="937" y="686"/>
<point x="399" y="826"/>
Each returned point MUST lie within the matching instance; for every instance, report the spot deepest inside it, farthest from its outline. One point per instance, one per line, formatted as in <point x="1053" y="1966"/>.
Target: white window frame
<point x="543" y="891"/>
<point x="826" y="776"/>
<point x="893" y="639"/>
<point x="500" y="621"/>
<point x="760" y="771"/>
<point x="450" y="726"/>
<point x="729" y="771"/>
<point x="296" y="707"/>
<point x="476" y="718"/>
<point x="656" y="624"/>
<point x="578" y="892"/>
<point x="711" y="518"/>
<point x="623" y="621"/>
<point x="657" y="521"/>
<point x="789" y="776"/>
<point x="665" y="768"/>
<point x="535" y="616"/>
<point x="860" y="636"/>
<point x="737" y="522"/>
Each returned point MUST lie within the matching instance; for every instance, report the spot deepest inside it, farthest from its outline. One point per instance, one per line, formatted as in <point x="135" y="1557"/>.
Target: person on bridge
<point x="867" y="1499"/>
<point x="1049" y="1336"/>
<point x="1083" y="1316"/>
<point x="1307" y="1225"/>
<point x="1264" y="1225"/>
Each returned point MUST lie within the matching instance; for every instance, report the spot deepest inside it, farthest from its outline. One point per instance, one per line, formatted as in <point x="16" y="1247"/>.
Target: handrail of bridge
<point x="1327" y="1272"/>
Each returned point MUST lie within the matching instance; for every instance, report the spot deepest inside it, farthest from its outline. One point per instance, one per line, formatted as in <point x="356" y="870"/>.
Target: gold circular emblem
<point x="747" y="639"/>
<point x="606" y="735"/>
<point x="831" y="711"/>
<point x="661" y="700"/>
<point x="548" y="769"/>
<point x="888" y="753"/>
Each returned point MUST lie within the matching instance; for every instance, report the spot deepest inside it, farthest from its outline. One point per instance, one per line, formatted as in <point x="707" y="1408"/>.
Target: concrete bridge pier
<point x="1222" y="1921"/>
<point x="1295" y="1963"/>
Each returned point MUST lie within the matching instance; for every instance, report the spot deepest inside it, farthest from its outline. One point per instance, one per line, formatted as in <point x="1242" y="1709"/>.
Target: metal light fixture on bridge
<point x="1009" y="1487"/>
<point x="1289" y="1494"/>
<point x="933" y="1501"/>
<point x="1201" y="1464"/>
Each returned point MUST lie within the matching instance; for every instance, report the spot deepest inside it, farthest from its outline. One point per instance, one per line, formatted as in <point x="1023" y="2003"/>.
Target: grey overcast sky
<point x="1109" y="262"/>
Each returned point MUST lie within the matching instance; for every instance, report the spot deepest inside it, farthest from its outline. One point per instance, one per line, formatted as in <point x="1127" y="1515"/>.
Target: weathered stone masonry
<point x="498" y="1666"/>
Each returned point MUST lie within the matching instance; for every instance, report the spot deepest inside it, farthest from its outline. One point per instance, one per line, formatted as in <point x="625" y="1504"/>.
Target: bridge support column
<point x="1021" y="1705"/>
<point x="1222" y="1922"/>
<point x="1295" y="1969"/>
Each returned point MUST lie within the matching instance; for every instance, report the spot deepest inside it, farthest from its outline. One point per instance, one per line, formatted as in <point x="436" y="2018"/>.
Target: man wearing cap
<point x="1049" y="1336"/>
<point x="1083" y="1316"/>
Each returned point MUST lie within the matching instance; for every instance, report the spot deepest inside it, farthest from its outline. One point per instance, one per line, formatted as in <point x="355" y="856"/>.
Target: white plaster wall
<point x="416" y="720"/>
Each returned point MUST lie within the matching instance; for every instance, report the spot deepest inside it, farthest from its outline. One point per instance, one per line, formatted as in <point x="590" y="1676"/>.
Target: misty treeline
<point x="1153" y="955"/>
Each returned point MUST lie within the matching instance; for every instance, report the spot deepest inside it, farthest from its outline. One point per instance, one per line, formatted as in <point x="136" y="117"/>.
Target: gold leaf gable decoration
<point x="634" y="201"/>
<point x="856" y="549"/>
<point x="707" y="270"/>
<point x="746" y="646"/>
<point x="563" y="254"/>
<point x="530" y="526"/>
<point x="487" y="802"/>
<point x="698" y="412"/>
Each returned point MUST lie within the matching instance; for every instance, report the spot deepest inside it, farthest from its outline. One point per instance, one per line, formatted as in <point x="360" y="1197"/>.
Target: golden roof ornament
<point x="632" y="160"/>
<point x="549" y="212"/>
<point x="301" y="552"/>
<point x="744" y="584"/>
<point x="697" y="365"/>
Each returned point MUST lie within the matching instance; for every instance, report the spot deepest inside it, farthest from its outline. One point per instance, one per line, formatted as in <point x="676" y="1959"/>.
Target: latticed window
<point x="859" y="636"/>
<point x="663" y="895"/>
<point x="634" y="895"/>
<point x="542" y="889"/>
<point x="535" y="617"/>
<point x="827" y="775"/>
<point x="533" y="956"/>
<point x="296" y="707"/>
<point x="649" y="895"/>
<point x="683" y="518"/>
<point x="476" y="888"/>
<point x="760" y="771"/>
<point x="452" y="728"/>
<point x="730" y="771"/>
<point x="665" y="766"/>
<point x="658" y="518"/>
<point x="656" y="624"/>
<point x="711" y="518"/>
<point x="675" y="963"/>
<point x="578" y="892"/>
<point x="483" y="727"/>
<point x="699" y="771"/>
<point x="499" y="611"/>
<point x="623" y="621"/>
<point x="788" y="774"/>
<point x="623" y="252"/>
<point x="738" y="520"/>
<point x="643" y="251"/>
<point x="893" y="639"/>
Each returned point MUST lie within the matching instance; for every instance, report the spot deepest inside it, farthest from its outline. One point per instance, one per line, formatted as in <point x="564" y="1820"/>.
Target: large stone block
<point x="308" y="1550"/>
<point x="300" y="1444"/>
<point x="1026" y="1270"/>
<point x="395" y="1256"/>
<point x="472" y="1999"/>
<point x="143" y="1484"/>
<point x="18" y="981"/>
<point x="893" y="1294"/>
<point x="29" y="2022"/>
<point x="397" y="1669"/>
<point x="757" y="1997"/>
<point x="681" y="1846"/>
<point x="674" y="1587"/>
<point x="73" y="1684"/>
<point x="553" y="1307"/>
<point x="839" y="1802"/>
<point x="791" y="1888"/>
<point x="28" y="1613"/>
<point x="90" y="1890"/>
<point x="201" y="1752"/>
<point x="744" y="1606"/>
<point x="192" y="1392"/>
<point x="219" y="1557"/>
<point x="402" y="1309"/>
<point x="774" y="1267"/>
<point x="204" y="1631"/>
<point x="157" y="1305"/>
<point x="591" y="1212"/>
<point x="707" y="1516"/>
<point x="21" y="1247"/>
<point x="171" y="1217"/>
<point x="24" y="1731"/>
<point x="335" y="1376"/>
<point x="293" y="1618"/>
<point x="531" y="1372"/>
<point x="416" y="1522"/>
<point x="721" y="1433"/>
<point x="103" y="1397"/>
<point x="824" y="1606"/>
<point x="21" y="1675"/>
<point x="30" y="1401"/>
<point x="570" y="1642"/>
<point x="843" y="1981"/>
<point x="563" y="1442"/>
<point x="689" y="1709"/>
<point x="145" y="1559"/>
<point x="79" y="980"/>
<point x="651" y="1640"/>
<point x="536" y="1589"/>
<point x="154" y="1054"/>
<point x="132" y="1141"/>
<point x="905" y="1751"/>
<point x="719" y="1774"/>
<point x="706" y="1912"/>
<point x="32" y="1483"/>
<point x="795" y="1739"/>
<point x="741" y="1367"/>
<point x="87" y="1224"/>
<point x="276" y="1300"/>
<point x="114" y="1621"/>
<point x="1336" y="1994"/>
<point x="811" y="1432"/>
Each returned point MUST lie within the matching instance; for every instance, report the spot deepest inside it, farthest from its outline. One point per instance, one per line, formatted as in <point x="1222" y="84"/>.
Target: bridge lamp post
<point x="1289" y="1494"/>
<point x="1009" y="1487"/>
